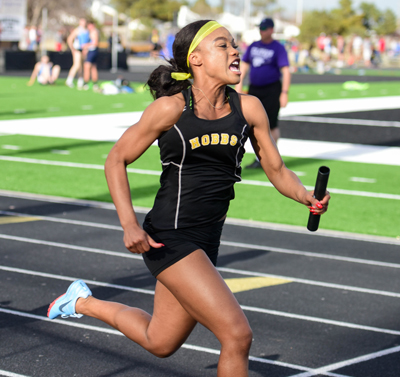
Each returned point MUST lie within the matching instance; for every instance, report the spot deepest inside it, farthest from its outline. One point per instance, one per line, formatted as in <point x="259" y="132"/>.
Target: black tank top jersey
<point x="201" y="162"/>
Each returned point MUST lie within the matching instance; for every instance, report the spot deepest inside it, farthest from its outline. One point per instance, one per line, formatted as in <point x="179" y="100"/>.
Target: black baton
<point x="319" y="193"/>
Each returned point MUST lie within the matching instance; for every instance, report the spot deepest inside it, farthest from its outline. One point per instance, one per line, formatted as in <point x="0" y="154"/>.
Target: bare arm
<point x="284" y="180"/>
<point x="244" y="69"/>
<point x="157" y="118"/>
<point x="70" y="39"/>
<point x="286" y="77"/>
<point x="34" y="74"/>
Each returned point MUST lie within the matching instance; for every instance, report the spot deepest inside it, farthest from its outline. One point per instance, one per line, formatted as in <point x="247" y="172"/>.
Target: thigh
<point x="77" y="57"/>
<point x="201" y="291"/>
<point x="171" y="324"/>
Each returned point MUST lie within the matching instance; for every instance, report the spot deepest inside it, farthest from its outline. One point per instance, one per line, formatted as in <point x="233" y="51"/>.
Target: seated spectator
<point x="45" y="72"/>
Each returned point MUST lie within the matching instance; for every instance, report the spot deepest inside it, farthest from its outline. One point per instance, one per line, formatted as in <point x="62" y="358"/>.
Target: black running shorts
<point x="269" y="97"/>
<point x="179" y="243"/>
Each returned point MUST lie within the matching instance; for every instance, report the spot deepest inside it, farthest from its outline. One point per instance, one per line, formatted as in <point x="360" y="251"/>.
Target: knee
<point x="240" y="337"/>
<point x="162" y="348"/>
<point x="163" y="352"/>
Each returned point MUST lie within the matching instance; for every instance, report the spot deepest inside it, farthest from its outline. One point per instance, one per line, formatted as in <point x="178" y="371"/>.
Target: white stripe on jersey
<point x="180" y="175"/>
<point x="238" y="150"/>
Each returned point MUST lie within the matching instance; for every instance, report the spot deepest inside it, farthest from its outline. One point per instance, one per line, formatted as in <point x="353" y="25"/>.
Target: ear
<point x="195" y="59"/>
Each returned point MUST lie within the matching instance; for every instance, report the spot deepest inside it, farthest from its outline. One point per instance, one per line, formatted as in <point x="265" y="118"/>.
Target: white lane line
<point x="346" y="363"/>
<point x="232" y="221"/>
<point x="115" y="332"/>
<point x="73" y="165"/>
<point x="348" y="152"/>
<point x="158" y="173"/>
<point x="71" y="279"/>
<point x="321" y="320"/>
<point x="223" y="269"/>
<point x="244" y="307"/>
<point x="64" y="221"/>
<point x="310" y="254"/>
<point x="311" y="282"/>
<point x="71" y="247"/>
<point x="331" y="190"/>
<point x="340" y="106"/>
<point x="10" y="374"/>
<point x="357" y="122"/>
<point x="226" y="243"/>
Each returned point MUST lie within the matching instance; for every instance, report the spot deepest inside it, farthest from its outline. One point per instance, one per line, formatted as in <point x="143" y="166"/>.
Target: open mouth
<point x="234" y="67"/>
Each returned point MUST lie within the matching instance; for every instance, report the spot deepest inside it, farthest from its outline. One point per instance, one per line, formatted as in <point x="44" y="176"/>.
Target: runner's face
<point x="220" y="57"/>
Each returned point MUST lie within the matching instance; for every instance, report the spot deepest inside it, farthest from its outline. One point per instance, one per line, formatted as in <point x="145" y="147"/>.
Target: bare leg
<point x="94" y="73"/>
<point x="76" y="65"/>
<point x="55" y="72"/>
<point x="161" y="334"/>
<point x="86" y="71"/>
<point x="198" y="294"/>
<point x="203" y="293"/>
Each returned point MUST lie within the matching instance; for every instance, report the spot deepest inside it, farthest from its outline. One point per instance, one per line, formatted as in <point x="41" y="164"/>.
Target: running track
<point x="327" y="303"/>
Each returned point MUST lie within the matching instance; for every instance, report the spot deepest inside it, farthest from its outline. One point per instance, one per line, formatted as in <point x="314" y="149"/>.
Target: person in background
<point x="268" y="63"/>
<point x="155" y="40"/>
<point x="45" y="72"/>
<point x="91" y="51"/>
<point x="32" y="37"/>
<point x="76" y="39"/>
<point x="59" y="41"/>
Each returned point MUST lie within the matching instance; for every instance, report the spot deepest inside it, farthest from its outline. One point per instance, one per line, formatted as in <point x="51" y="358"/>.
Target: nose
<point x="235" y="51"/>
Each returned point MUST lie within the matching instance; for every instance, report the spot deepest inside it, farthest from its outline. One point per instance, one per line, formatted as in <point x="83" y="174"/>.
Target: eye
<point x="234" y="45"/>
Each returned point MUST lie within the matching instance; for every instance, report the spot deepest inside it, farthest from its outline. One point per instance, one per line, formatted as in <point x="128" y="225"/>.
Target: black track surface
<point x="351" y="294"/>
<point x="347" y="133"/>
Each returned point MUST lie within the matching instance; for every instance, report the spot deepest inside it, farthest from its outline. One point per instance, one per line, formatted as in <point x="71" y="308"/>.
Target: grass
<point x="349" y="213"/>
<point x="19" y="101"/>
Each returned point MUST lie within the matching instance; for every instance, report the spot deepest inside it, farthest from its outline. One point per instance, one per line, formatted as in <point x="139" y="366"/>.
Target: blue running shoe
<point x="65" y="304"/>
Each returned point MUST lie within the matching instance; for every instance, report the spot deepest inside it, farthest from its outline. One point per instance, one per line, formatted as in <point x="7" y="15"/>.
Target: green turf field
<point x="69" y="178"/>
<point x="19" y="101"/>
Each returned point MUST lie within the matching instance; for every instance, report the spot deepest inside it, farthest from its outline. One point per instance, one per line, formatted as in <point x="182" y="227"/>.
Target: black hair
<point x="160" y="81"/>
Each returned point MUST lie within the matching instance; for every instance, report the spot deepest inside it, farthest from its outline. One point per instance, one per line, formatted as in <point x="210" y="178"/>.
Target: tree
<point x="202" y="8"/>
<point x="388" y="24"/>
<point x="382" y="23"/>
<point x="55" y="9"/>
<point x="263" y="6"/>
<point x="314" y="23"/>
<point x="346" y="19"/>
<point x="343" y="20"/>
<point x="160" y="9"/>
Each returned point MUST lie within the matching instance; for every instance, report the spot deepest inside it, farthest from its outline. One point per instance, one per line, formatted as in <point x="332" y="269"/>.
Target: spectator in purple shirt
<point x="269" y="76"/>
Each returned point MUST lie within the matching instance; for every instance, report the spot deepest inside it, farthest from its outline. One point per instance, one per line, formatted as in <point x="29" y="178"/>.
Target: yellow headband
<point x="205" y="30"/>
